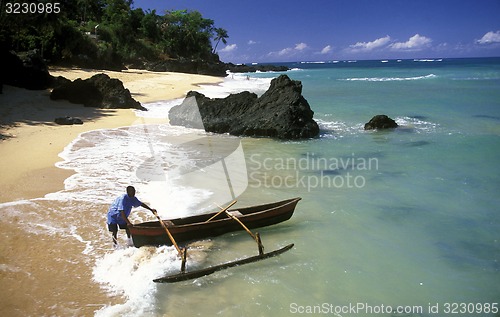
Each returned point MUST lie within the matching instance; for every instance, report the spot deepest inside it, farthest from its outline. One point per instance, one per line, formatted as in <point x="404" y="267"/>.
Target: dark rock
<point x="243" y="68"/>
<point x="182" y="65"/>
<point x="68" y="120"/>
<point x="27" y="70"/>
<point x="78" y="91"/>
<point x="281" y="112"/>
<point x="98" y="91"/>
<point x="381" y="122"/>
<point x="213" y="67"/>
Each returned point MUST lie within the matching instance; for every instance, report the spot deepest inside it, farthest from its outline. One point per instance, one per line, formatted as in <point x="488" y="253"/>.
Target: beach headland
<point x="31" y="277"/>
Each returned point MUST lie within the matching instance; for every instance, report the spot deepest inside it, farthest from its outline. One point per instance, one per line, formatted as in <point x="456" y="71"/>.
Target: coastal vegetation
<point x="109" y="33"/>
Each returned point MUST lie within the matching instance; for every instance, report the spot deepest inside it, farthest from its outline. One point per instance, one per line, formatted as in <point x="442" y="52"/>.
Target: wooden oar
<point x="222" y="210"/>
<point x="182" y="253"/>
<point x="168" y="233"/>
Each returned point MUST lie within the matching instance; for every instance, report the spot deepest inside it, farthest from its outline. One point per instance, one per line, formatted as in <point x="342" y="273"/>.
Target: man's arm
<point x="122" y="213"/>
<point x="143" y="205"/>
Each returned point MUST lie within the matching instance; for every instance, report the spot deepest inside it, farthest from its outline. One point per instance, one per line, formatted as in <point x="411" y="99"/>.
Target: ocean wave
<point x="159" y="109"/>
<point x="235" y="83"/>
<point x="339" y="129"/>
<point x="416" y="124"/>
<point x="427" y="60"/>
<point x="476" y="78"/>
<point x="130" y="272"/>
<point x="381" y="79"/>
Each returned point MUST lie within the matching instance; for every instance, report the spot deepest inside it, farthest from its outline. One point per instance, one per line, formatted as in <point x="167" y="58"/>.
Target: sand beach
<point x="29" y="147"/>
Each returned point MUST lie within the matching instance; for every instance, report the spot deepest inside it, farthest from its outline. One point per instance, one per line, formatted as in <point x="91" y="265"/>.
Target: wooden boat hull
<point x="196" y="227"/>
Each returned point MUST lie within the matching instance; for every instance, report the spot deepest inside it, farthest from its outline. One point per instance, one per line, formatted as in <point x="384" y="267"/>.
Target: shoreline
<point x="27" y="125"/>
<point x="42" y="271"/>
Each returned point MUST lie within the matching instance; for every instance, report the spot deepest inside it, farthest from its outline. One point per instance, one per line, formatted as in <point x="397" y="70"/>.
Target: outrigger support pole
<point x="182" y="252"/>
<point x="256" y="236"/>
<point x="222" y="210"/>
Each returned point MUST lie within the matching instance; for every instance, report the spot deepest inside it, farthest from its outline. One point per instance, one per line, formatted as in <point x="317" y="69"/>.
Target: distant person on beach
<point x="119" y="211"/>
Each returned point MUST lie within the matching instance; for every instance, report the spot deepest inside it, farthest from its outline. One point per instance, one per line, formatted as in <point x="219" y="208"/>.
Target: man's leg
<point x="113" y="228"/>
<point x="125" y="227"/>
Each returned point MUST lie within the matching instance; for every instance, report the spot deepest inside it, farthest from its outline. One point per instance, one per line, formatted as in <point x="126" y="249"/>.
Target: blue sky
<point x="320" y="30"/>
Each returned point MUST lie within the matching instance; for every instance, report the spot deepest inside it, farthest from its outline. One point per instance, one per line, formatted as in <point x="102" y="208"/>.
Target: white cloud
<point x="229" y="48"/>
<point x="301" y="46"/>
<point x="490" y="38"/>
<point x="290" y="51"/>
<point x="369" y="46"/>
<point x="285" y="51"/>
<point x="251" y="42"/>
<point x="415" y="43"/>
<point x="327" y="49"/>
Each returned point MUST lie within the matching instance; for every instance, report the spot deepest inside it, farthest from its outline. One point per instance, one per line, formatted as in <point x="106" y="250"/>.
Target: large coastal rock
<point x="27" y="70"/>
<point x="98" y="91"/>
<point x="380" y="122"/>
<point x="281" y="112"/>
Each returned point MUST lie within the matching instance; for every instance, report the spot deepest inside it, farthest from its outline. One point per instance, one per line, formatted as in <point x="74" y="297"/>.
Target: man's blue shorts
<point x="113" y="227"/>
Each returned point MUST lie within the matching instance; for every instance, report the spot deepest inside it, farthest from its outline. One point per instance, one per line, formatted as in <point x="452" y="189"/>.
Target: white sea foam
<point x="337" y="129"/>
<point x="416" y="124"/>
<point x="235" y="83"/>
<point x="340" y="129"/>
<point x="321" y="62"/>
<point x="130" y="272"/>
<point x="428" y="60"/>
<point x="381" y="79"/>
<point x="158" y="109"/>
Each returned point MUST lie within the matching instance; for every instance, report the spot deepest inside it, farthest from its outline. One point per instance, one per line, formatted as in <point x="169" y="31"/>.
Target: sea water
<point x="391" y="223"/>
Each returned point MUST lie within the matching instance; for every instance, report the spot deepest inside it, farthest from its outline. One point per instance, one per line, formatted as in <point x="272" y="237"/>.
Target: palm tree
<point x="221" y="35"/>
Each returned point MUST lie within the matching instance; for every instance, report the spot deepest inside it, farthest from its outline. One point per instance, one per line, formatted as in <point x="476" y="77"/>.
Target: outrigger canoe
<point x="198" y="227"/>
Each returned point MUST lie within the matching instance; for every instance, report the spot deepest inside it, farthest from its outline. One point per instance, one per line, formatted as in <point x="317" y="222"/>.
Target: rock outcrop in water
<point x="281" y="112"/>
<point x="380" y="122"/>
<point x="98" y="91"/>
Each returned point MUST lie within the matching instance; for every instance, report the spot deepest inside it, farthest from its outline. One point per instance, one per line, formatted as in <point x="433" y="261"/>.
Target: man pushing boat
<point x="119" y="211"/>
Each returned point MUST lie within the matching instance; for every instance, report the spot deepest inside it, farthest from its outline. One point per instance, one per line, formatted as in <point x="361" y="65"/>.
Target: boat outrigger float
<point x="182" y="252"/>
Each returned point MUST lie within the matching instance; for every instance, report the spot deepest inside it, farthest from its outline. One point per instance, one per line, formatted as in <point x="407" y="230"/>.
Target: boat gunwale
<point x="279" y="204"/>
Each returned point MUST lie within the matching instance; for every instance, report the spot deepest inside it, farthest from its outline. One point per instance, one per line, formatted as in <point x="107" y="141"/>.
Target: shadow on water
<point x="417" y="143"/>
<point x="484" y="116"/>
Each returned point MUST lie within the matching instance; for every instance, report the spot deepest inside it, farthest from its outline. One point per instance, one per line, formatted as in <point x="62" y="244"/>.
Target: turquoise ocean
<point x="391" y="223"/>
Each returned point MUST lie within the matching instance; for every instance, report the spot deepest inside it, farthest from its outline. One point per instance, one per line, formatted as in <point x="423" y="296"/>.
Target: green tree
<point x="220" y="35"/>
<point x="187" y="34"/>
<point x="150" y="26"/>
<point x="124" y="33"/>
